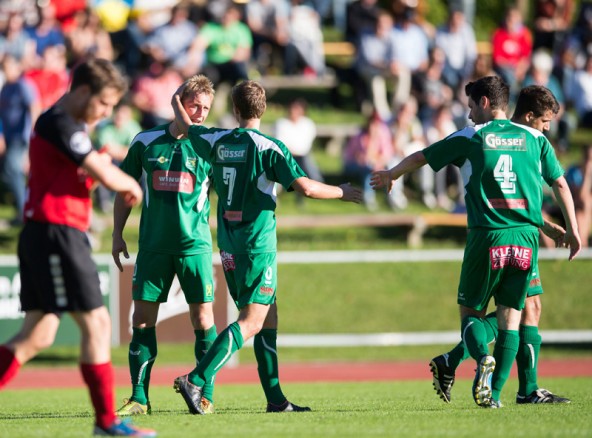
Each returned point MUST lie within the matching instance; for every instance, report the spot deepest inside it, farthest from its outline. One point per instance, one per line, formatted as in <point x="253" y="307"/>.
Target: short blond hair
<point x="197" y="84"/>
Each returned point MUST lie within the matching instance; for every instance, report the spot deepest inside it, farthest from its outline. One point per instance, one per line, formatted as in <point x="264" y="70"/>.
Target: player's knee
<point x="250" y="328"/>
<point x="145" y="314"/>
<point x="96" y="325"/>
<point x="43" y="341"/>
<point x="202" y="316"/>
<point x="532" y="311"/>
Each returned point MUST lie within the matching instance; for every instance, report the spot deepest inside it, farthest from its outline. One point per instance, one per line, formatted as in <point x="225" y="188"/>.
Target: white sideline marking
<point x="412" y="338"/>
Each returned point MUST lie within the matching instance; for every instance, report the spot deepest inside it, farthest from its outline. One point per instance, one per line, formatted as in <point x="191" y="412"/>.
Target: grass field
<point x="385" y="409"/>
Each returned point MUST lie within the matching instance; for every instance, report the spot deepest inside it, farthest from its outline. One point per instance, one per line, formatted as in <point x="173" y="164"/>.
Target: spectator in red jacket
<point x="512" y="47"/>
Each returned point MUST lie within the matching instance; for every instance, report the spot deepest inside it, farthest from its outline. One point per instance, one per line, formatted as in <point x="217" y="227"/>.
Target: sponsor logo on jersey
<point x="510" y="204"/>
<point x="510" y="255"/>
<point x="160" y="160"/>
<point x="227" y="261"/>
<point x="265" y="290"/>
<point x="231" y="153"/>
<point x="209" y="291"/>
<point x="190" y="163"/>
<point x="182" y="182"/>
<point x="505" y="142"/>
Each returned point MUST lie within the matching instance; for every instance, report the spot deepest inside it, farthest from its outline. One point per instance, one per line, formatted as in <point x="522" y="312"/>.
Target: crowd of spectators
<point x="406" y="73"/>
<point x="404" y="62"/>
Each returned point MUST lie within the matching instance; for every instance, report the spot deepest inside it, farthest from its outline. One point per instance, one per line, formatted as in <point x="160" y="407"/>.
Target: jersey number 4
<point x="503" y="174"/>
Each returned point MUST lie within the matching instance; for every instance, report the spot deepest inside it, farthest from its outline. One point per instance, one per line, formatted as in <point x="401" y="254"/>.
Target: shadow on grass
<point x="56" y="359"/>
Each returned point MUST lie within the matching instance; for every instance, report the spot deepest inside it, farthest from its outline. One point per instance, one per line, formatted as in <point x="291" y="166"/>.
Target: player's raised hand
<point x="177" y="95"/>
<point x="350" y="193"/>
<point x="381" y="179"/>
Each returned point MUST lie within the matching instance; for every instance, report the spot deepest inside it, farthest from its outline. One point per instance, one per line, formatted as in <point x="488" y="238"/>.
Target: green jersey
<point x="176" y="207"/>
<point x="503" y="165"/>
<point x="246" y="165"/>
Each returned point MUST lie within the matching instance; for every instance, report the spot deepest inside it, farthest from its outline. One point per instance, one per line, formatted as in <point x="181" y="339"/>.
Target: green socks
<point x="491" y="327"/>
<point x="267" y="365"/>
<point x="474" y="336"/>
<point x="203" y="341"/>
<point x="527" y="359"/>
<point x="504" y="352"/>
<point x="457" y="355"/>
<point x="228" y="341"/>
<point x="142" y="353"/>
<point x="460" y="353"/>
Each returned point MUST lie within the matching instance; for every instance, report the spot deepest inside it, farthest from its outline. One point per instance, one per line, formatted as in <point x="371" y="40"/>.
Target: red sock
<point x="100" y="381"/>
<point x="9" y="366"/>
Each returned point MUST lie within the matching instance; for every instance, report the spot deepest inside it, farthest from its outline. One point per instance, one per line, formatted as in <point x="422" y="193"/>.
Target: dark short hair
<point x="537" y="99"/>
<point x="98" y="74"/>
<point x="249" y="99"/>
<point x="492" y="87"/>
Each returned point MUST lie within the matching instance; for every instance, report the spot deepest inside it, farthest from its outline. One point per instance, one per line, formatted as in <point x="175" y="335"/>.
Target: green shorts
<point x="251" y="278"/>
<point x="154" y="274"/>
<point x="499" y="264"/>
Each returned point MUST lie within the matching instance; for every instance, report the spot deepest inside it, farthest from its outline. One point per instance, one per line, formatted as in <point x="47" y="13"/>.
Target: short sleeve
<point x="551" y="169"/>
<point x="281" y="167"/>
<point x="69" y="136"/>
<point x="132" y="163"/>
<point x="451" y="150"/>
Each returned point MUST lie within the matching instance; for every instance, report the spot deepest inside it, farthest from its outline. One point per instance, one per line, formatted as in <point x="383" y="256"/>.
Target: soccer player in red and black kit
<point x="57" y="272"/>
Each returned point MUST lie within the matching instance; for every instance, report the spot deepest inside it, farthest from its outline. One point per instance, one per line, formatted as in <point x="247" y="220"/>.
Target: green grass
<point x="385" y="409"/>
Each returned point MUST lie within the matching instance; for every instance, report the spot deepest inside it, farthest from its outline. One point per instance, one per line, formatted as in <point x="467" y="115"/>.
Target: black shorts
<point x="57" y="271"/>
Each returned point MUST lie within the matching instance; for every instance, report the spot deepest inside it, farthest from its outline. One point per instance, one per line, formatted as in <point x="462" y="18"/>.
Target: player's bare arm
<point x="121" y="212"/>
<point x="385" y="178"/>
<point x="571" y="239"/>
<point x="113" y="178"/>
<point x="181" y="117"/>
<point x="553" y="231"/>
<point x="318" y="190"/>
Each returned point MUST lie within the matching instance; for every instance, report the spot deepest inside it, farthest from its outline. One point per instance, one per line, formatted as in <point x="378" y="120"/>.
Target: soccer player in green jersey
<point x="246" y="167"/>
<point x="503" y="166"/>
<point x="536" y="107"/>
<point x="175" y="239"/>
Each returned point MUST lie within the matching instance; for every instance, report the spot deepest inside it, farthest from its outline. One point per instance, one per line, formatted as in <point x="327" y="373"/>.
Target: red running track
<point x="69" y="377"/>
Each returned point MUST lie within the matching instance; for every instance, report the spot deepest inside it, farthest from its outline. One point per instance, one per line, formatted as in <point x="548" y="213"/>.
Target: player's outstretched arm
<point x="318" y="190"/>
<point x="571" y="239"/>
<point x="113" y="178"/>
<point x="385" y="178"/>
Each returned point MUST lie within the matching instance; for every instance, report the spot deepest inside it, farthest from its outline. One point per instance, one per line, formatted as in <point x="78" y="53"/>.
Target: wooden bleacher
<point x="273" y="83"/>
